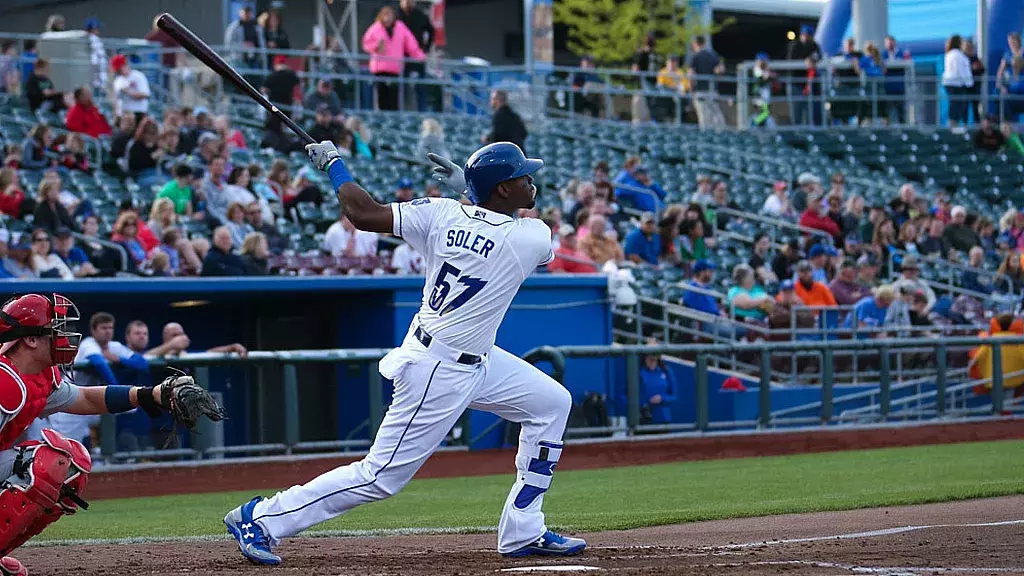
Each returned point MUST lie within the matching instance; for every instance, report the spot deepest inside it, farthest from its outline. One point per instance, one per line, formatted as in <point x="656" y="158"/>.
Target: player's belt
<point x="426" y="339"/>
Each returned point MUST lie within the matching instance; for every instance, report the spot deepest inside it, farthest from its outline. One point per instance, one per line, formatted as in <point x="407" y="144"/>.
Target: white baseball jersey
<point x="475" y="260"/>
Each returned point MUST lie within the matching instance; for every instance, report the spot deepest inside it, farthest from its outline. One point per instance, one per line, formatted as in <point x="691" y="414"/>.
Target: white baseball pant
<point x="431" y="393"/>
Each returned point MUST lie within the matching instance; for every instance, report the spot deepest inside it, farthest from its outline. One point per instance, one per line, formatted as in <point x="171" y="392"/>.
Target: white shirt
<point x="134" y="81"/>
<point x="336" y="241"/>
<point x="476" y="260"/>
<point x="405" y="260"/>
<point x="773" y="206"/>
<point x="957" y="70"/>
<point x="76" y="426"/>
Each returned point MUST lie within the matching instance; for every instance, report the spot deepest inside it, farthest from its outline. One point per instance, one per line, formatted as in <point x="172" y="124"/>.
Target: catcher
<point x="46" y="478"/>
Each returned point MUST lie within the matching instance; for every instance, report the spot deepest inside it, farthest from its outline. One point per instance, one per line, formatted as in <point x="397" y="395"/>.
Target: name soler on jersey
<point x="470" y="241"/>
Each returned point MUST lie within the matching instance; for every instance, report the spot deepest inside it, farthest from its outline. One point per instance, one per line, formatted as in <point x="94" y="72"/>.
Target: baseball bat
<point x="189" y="41"/>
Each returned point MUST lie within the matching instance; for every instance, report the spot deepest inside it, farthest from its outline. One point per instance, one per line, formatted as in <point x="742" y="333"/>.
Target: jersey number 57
<point x="442" y="289"/>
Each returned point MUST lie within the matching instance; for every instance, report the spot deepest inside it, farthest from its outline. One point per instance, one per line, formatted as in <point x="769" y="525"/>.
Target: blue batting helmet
<point x="494" y="164"/>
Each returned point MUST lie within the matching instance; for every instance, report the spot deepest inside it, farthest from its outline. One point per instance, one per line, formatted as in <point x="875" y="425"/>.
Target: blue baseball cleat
<point x="550" y="544"/>
<point x="251" y="540"/>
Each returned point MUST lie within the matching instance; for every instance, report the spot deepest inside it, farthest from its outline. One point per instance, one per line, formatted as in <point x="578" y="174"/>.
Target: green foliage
<point x="621" y="498"/>
<point x="611" y="30"/>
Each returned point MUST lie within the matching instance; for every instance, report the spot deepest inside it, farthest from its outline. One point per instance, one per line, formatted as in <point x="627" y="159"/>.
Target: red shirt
<point x="571" y="266"/>
<point x="87" y="120"/>
<point x="811" y="219"/>
<point x="10" y="203"/>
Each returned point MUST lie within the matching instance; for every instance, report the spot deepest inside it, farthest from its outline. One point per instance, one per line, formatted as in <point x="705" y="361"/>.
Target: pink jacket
<point x="399" y="44"/>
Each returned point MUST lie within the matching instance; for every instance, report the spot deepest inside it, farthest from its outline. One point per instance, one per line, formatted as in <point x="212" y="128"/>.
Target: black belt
<point x="426" y="339"/>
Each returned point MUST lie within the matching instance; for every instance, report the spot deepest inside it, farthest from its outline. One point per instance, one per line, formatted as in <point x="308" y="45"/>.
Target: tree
<point x="611" y="30"/>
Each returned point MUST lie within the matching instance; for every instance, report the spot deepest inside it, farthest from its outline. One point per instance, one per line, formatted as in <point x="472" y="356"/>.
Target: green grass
<point x="621" y="498"/>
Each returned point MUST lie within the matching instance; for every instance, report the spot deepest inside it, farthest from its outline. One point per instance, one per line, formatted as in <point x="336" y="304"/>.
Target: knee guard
<point x="49" y="478"/>
<point x="536" y="464"/>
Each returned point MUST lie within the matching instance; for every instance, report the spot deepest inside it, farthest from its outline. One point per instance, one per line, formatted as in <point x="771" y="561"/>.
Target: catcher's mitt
<point x="185" y="400"/>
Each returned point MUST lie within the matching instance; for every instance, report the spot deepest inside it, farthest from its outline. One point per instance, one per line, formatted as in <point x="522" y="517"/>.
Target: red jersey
<point x="22" y="399"/>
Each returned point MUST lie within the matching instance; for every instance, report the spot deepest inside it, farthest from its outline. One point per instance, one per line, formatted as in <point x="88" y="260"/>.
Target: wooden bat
<point x="189" y="41"/>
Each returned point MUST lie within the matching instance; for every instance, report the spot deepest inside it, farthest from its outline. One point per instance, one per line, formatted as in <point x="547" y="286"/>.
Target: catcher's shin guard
<point x="49" y="478"/>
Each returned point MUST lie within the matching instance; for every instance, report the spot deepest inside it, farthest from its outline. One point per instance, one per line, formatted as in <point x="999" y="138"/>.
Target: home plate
<point x="557" y="568"/>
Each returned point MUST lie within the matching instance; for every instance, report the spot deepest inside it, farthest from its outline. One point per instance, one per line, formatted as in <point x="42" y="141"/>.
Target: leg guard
<point x="49" y="478"/>
<point x="536" y="465"/>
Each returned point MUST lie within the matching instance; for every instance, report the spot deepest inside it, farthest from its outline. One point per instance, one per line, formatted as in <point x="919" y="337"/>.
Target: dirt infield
<point x="273" y="475"/>
<point x="971" y="537"/>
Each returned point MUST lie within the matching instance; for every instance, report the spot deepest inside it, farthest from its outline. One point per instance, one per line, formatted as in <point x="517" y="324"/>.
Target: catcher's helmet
<point x="494" y="164"/>
<point x="43" y="315"/>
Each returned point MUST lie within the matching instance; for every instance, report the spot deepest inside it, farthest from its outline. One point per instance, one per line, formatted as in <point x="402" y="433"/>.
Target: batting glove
<point x="325" y="157"/>
<point x="448" y="173"/>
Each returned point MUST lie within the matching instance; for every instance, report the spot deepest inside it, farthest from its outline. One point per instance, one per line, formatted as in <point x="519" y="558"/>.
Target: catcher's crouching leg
<point x="49" y="478"/>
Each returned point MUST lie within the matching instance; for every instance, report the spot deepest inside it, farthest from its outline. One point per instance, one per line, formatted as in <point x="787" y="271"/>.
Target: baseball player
<point x="475" y="257"/>
<point x="46" y="478"/>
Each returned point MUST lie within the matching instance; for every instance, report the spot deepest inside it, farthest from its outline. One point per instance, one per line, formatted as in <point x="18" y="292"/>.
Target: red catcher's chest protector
<point x="22" y="399"/>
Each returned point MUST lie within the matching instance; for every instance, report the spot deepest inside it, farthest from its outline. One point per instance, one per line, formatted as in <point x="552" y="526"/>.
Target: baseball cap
<point x="807" y="29"/>
<point x="787" y="285"/>
<point x="323" y="108"/>
<point x="848" y="263"/>
<point x="93" y="24"/>
<point x="733" y="383"/>
<point x="280" y="59"/>
<point x="62" y="232"/>
<point x="781" y="185"/>
<point x="404" y="183"/>
<point x="1004" y="238"/>
<point x="199" y="110"/>
<point x="762" y="57"/>
<point x="807" y="178"/>
<point x="958" y="210"/>
<point x="852" y="239"/>
<point x="640" y="168"/>
<point x="23" y="242"/>
<point x="206" y="137"/>
<point x="867" y="260"/>
<point x="702" y="265"/>
<point x="647" y="217"/>
<point x="910" y="263"/>
<point x="118" y="62"/>
<point x="566" y="230"/>
<point x="804" y="266"/>
<point x="821" y="250"/>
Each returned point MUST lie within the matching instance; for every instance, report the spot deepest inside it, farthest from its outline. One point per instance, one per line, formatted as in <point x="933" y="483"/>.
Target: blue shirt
<point x="648" y="249"/>
<point x="640" y="200"/>
<point x="705" y="303"/>
<point x="868" y="313"/>
<point x="870" y="67"/>
<point x="658" y="382"/>
<point x="76" y="257"/>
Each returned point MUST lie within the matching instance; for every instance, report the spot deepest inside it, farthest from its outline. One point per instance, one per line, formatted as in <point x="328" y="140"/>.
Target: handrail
<point x="774" y="222"/>
<point x="106" y="244"/>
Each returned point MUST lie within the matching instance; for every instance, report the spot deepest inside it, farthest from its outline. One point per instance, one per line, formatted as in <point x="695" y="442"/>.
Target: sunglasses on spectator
<point x="256" y="211"/>
<point x="41" y="239"/>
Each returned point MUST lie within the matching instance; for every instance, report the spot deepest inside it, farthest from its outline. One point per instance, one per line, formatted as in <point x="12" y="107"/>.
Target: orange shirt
<point x="818" y="295"/>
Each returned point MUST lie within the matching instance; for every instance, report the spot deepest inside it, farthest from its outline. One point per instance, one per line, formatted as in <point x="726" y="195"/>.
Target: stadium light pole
<point x="528" y="36"/>
<point x="981" y="47"/>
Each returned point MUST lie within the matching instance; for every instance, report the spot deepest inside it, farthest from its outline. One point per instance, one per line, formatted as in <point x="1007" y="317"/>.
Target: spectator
<point x="568" y="257"/>
<point x="131" y="89"/>
<point x="276" y="242"/>
<point x="255" y="254"/>
<point x="273" y="31"/>
<point x="587" y="86"/>
<point x="388" y="41"/>
<point x="403" y="190"/>
<point x="40" y="92"/>
<point x="1012" y="356"/>
<point x="895" y="86"/>
<point x="10" y="74"/>
<point x="845" y="288"/>
<point x="659" y="389"/>
<point x="221" y="261"/>
<point x="1013" y="43"/>
<point x="45" y="263"/>
<point x="12" y="198"/>
<point x="179" y="190"/>
<point x="324" y="95"/>
<point x="212" y="189"/>
<point x="911" y="278"/>
<point x="634" y="187"/>
<point x="361" y="138"/>
<point x="144" y="154"/>
<point x="853" y="215"/>
<point x="236" y="224"/>
<point x="73" y="257"/>
<point x="645" y="66"/>
<point x="958" y="235"/>
<point x="989" y="137"/>
<point x="907" y="240"/>
<point x="806" y="49"/>
<point x="598" y="245"/>
<point x="126" y="233"/>
<point x="243" y="35"/>
<point x="973" y="94"/>
<point x="18" y="261"/>
<point x="124" y="134"/>
<point x="432" y="139"/>
<point x="692" y="245"/>
<point x="275" y="137"/>
<point x="170" y="240"/>
<point x="506" y="125"/>
<point x="777" y="205"/>
<point x="643" y="245"/>
<point x="834" y="203"/>
<point x="957" y="79"/>
<point x="870" y="313"/>
<point x="161" y="216"/>
<point x="342" y="239"/>
<point x="871" y="68"/>
<point x="760" y="257"/>
<point x="50" y="214"/>
<point x="232" y="137"/>
<point x="748" y="300"/>
<point x="1011" y="268"/>
<point x="783" y="265"/>
<point x="807" y="185"/>
<point x="423" y="30"/>
<point x="169" y="59"/>
<point x="282" y="86"/>
<point x="819" y="256"/>
<point x="407" y="261"/>
<point x="173" y="331"/>
<point x="720" y="199"/>
<point x="35" y="148"/>
<point x="239" y="189"/>
<point x="814" y="218"/>
<point x="325" y="127"/>
<point x="702" y="195"/>
<point x="73" y="156"/>
<point x="97" y="54"/>
<point x="811" y="291"/>
<point x="974" y="279"/>
<point x="702" y="300"/>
